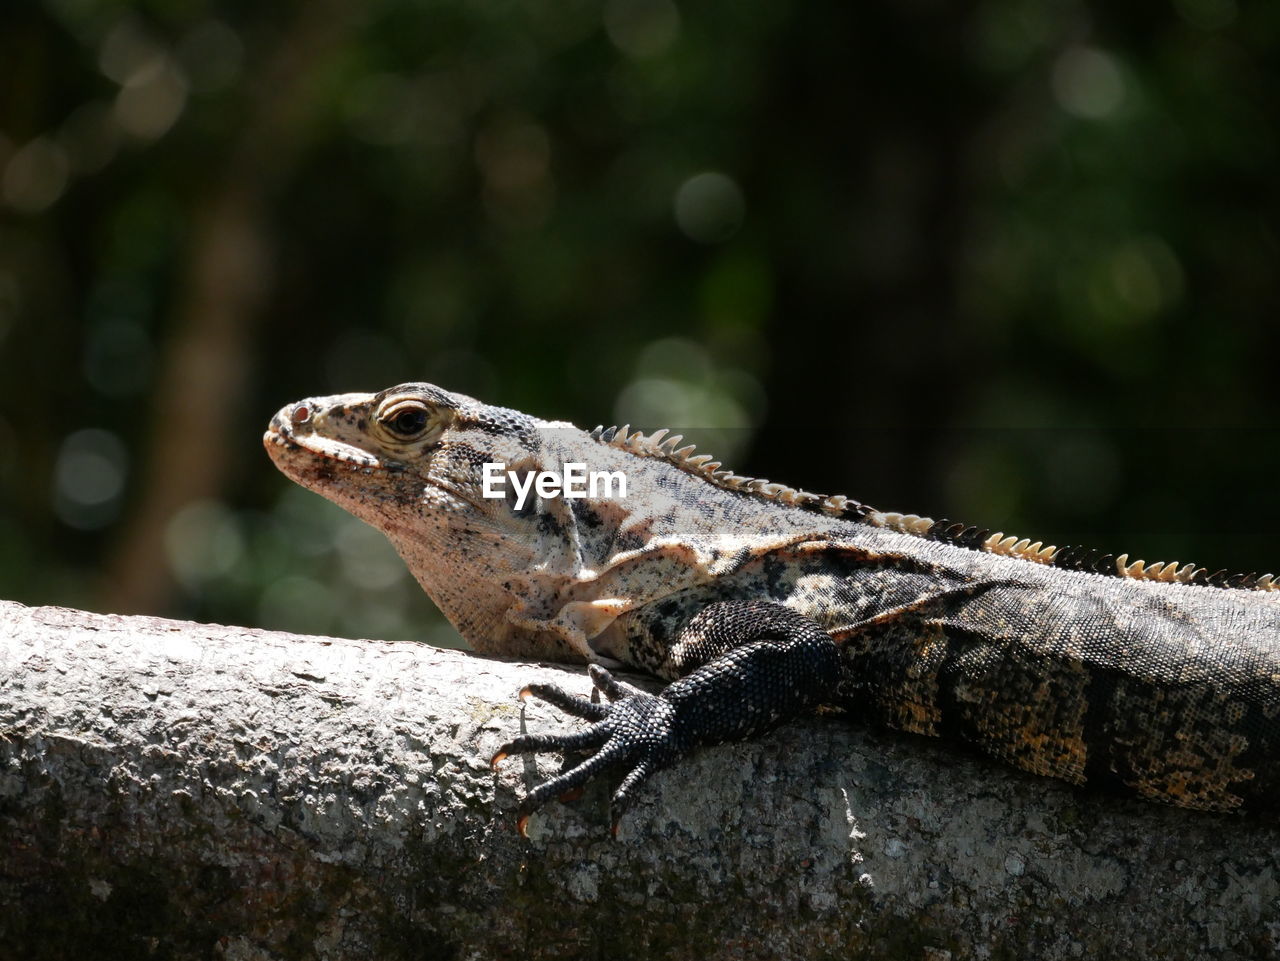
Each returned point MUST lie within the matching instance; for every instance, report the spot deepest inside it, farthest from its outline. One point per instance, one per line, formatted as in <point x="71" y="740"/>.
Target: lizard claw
<point x="745" y="690"/>
<point x="634" y="727"/>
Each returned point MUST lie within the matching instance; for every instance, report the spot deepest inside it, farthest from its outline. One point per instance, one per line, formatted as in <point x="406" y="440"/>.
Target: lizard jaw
<point x="281" y="442"/>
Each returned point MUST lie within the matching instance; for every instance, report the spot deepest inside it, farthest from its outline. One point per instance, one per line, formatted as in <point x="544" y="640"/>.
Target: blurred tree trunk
<point x="206" y="362"/>
<point x="183" y="791"/>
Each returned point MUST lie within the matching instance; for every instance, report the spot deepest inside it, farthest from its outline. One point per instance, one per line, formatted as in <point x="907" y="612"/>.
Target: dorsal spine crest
<point x="660" y="446"/>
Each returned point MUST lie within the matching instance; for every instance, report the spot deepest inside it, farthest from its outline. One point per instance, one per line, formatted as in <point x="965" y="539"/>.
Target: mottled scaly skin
<point x="774" y="600"/>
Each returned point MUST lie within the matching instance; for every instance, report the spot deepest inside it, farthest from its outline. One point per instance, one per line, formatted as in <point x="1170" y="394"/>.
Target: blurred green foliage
<point x="1009" y="261"/>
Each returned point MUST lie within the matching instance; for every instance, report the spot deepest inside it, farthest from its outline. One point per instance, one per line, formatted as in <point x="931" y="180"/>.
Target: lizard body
<point x="760" y="602"/>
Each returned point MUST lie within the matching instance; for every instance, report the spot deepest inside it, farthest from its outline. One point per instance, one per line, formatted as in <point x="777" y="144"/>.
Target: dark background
<point x="1008" y="262"/>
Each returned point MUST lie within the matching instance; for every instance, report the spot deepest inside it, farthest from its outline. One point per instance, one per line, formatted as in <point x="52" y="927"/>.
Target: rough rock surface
<point x="177" y="790"/>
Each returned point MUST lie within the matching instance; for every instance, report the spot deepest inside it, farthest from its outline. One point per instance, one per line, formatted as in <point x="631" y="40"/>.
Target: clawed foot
<point x="634" y="728"/>
<point x="754" y="664"/>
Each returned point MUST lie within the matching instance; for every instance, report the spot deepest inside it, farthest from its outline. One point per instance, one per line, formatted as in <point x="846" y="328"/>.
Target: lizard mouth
<point x="281" y="441"/>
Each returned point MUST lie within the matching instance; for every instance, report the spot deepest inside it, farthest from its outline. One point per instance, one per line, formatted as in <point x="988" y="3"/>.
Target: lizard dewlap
<point x="759" y="602"/>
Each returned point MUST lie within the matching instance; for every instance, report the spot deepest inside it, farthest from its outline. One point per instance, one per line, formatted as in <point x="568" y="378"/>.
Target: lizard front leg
<point x="753" y="665"/>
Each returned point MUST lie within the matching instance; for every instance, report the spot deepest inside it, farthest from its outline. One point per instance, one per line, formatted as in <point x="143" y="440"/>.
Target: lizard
<point x="759" y="602"/>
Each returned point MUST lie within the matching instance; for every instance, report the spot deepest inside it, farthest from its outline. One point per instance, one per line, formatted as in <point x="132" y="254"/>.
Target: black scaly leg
<point x="760" y="664"/>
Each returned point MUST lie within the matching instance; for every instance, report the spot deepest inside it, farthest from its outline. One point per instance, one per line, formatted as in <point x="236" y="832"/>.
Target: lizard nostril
<point x="300" y="414"/>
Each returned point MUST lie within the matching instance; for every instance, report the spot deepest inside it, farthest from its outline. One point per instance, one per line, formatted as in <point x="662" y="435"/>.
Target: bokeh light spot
<point x="152" y="98"/>
<point x="367" y="557"/>
<point x="297" y="603"/>
<point x="642" y="28"/>
<point x="709" y="207"/>
<point x="1137" y="280"/>
<point x="89" y="478"/>
<point x="35" y="176"/>
<point x="204" y="542"/>
<point x="1087" y="82"/>
<point x="126" y="48"/>
<point x="677" y="385"/>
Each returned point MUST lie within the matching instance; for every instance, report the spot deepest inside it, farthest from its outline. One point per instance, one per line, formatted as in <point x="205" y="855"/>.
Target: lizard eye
<point x="407" y="420"/>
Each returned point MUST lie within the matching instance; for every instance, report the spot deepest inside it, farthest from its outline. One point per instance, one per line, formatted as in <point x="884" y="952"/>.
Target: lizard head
<point x="410" y="461"/>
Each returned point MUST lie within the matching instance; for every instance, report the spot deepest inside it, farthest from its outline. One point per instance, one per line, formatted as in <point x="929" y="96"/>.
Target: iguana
<point x="760" y="602"/>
